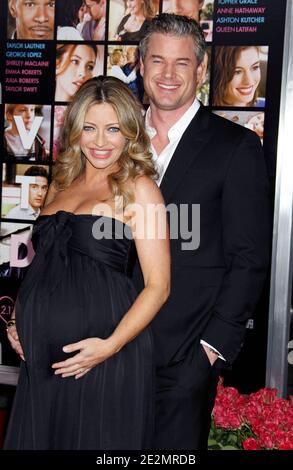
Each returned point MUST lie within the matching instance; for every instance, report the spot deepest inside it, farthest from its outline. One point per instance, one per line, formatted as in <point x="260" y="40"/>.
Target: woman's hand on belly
<point x="92" y="351"/>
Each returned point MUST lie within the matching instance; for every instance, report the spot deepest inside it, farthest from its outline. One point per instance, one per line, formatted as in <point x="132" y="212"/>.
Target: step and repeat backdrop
<point x="49" y="48"/>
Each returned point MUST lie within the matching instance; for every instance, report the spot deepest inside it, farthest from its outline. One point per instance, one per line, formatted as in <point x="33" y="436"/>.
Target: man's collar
<point x="33" y="211"/>
<point x="184" y="119"/>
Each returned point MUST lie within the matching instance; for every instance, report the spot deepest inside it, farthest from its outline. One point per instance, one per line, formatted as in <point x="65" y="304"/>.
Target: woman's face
<point x="256" y="123"/>
<point x="242" y="87"/>
<point x="120" y="59"/>
<point x="79" y="69"/>
<point x="135" y="6"/>
<point x="81" y="12"/>
<point x="102" y="141"/>
<point x="188" y="8"/>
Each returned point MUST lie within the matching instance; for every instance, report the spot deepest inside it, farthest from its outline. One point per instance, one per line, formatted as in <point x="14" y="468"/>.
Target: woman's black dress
<point x="131" y="35"/>
<point x="76" y="288"/>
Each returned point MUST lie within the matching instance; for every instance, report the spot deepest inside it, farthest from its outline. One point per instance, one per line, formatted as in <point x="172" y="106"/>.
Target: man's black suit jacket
<point x="215" y="288"/>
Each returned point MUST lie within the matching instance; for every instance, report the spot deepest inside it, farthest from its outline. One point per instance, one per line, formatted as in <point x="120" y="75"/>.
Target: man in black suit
<point x="202" y="159"/>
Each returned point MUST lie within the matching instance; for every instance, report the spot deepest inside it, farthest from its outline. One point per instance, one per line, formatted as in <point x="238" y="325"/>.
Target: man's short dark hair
<point x="175" y="25"/>
<point x="36" y="170"/>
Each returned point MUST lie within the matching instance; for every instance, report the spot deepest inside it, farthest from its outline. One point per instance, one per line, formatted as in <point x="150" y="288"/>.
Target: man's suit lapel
<point x="186" y="153"/>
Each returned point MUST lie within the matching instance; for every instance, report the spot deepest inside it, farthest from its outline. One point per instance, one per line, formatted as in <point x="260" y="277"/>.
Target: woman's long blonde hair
<point x="135" y="160"/>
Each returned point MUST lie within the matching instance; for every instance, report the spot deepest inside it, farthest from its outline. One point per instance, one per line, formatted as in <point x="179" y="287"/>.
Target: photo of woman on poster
<point x="249" y="119"/>
<point x="239" y="76"/>
<point x="199" y="10"/>
<point x="123" y="63"/>
<point x="70" y="15"/>
<point x="21" y="121"/>
<point x="59" y="114"/>
<point x="132" y="24"/>
<point x="75" y="64"/>
<point x="203" y="91"/>
<point x="183" y="7"/>
<point x="116" y="60"/>
<point x="255" y="122"/>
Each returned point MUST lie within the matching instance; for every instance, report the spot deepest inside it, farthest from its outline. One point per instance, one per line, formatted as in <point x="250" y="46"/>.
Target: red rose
<point x="251" y="444"/>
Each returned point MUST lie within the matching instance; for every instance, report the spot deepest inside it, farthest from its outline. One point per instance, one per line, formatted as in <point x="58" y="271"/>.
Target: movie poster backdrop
<point x="50" y="48"/>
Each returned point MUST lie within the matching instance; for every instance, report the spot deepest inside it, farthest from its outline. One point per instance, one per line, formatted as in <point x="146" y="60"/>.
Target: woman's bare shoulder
<point x="144" y="186"/>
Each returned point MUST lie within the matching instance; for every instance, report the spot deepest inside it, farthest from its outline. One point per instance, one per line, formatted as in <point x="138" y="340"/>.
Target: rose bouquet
<point x="257" y="421"/>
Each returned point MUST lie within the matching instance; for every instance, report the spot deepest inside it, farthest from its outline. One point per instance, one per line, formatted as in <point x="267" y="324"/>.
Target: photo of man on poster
<point x="123" y="63"/>
<point x="31" y="20"/>
<point x="94" y="30"/>
<point x="35" y="191"/>
<point x="23" y="135"/>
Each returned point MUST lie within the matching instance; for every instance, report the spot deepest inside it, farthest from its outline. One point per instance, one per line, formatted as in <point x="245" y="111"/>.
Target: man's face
<point x="170" y="72"/>
<point x="26" y="111"/>
<point x="37" y="192"/>
<point x="34" y="19"/>
<point x="96" y="9"/>
<point x="131" y="55"/>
